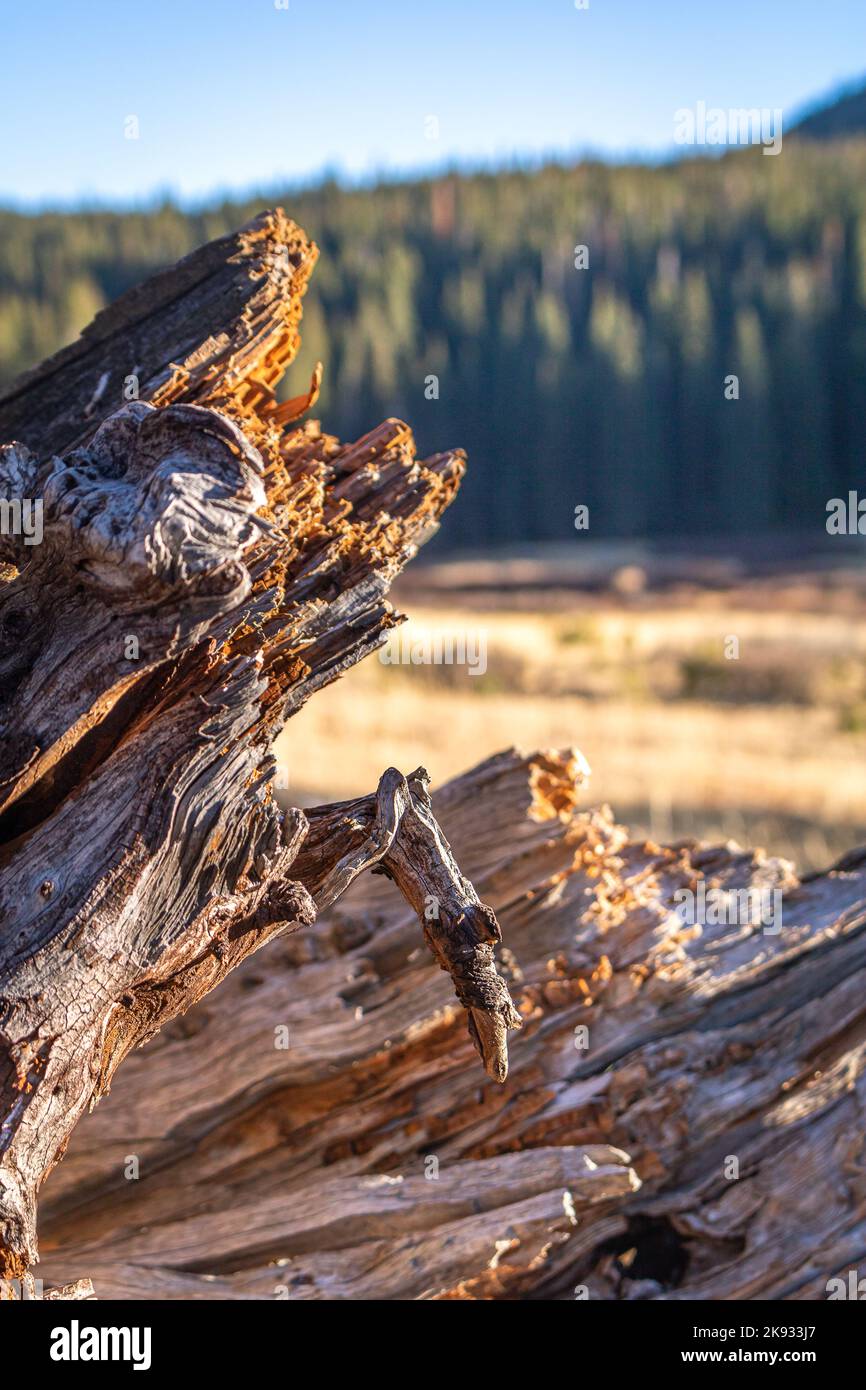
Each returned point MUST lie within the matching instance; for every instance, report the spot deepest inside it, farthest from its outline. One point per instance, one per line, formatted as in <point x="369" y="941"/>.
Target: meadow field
<point x="761" y="739"/>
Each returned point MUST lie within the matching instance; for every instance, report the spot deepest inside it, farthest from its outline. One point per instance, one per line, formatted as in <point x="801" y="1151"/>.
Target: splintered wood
<point x="683" y="1113"/>
<point x="206" y="565"/>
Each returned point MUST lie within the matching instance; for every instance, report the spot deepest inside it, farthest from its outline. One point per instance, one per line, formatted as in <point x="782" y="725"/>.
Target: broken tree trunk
<point x="683" y="1115"/>
<point x="684" y="1111"/>
<point x="205" y="566"/>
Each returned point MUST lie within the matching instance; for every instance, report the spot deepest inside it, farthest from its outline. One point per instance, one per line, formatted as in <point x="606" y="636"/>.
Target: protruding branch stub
<point x="396" y="833"/>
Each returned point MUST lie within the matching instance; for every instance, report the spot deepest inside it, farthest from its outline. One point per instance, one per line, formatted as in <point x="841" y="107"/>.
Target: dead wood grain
<point x="206" y="565"/>
<point x="365" y="1160"/>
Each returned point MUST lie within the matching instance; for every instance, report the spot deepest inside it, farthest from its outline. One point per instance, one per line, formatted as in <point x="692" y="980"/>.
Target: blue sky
<point x="241" y="95"/>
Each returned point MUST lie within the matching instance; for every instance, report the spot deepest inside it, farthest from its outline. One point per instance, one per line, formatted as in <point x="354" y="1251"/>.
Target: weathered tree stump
<point x="205" y="567"/>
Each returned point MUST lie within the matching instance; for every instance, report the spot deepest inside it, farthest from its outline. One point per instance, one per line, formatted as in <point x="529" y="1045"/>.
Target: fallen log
<point x="683" y="1115"/>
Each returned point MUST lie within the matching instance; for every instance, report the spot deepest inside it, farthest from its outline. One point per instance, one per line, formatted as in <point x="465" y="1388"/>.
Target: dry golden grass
<point x="769" y="747"/>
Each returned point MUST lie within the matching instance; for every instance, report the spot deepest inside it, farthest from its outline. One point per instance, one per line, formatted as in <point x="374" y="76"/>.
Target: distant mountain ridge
<point x="844" y="114"/>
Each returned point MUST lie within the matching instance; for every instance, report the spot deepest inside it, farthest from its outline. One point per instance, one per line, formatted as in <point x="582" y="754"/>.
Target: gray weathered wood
<point x="202" y="572"/>
<point x="311" y="1172"/>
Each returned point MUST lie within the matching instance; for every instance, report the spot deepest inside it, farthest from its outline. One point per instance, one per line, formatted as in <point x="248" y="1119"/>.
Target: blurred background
<point x="520" y="256"/>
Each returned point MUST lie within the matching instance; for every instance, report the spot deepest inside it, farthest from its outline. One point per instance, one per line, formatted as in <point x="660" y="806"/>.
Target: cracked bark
<point x="206" y="565"/>
<point x="366" y="1160"/>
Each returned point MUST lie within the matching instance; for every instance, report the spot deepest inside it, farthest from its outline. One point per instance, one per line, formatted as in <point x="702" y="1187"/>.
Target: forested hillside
<point x="843" y="116"/>
<point x="603" y="385"/>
